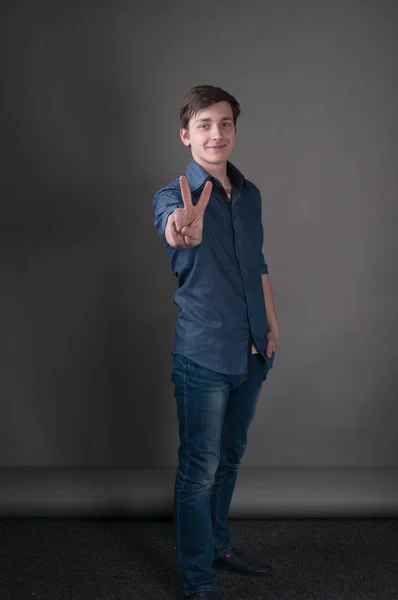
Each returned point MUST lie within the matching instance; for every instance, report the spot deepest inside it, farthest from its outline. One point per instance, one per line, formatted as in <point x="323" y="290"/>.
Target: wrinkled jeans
<point x="214" y="413"/>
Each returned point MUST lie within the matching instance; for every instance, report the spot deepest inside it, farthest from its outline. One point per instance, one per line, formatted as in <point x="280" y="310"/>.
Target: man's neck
<point x="218" y="171"/>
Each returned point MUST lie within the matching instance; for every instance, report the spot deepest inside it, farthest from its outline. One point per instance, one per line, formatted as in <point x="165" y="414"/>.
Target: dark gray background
<point x="90" y="131"/>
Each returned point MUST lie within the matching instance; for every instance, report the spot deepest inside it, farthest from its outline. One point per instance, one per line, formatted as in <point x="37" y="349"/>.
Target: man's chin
<point x="206" y="158"/>
<point x="217" y="160"/>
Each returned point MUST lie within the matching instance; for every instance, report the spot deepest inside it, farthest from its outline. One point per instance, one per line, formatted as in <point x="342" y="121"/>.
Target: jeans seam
<point x="187" y="453"/>
<point x="243" y="379"/>
<point x="221" y="474"/>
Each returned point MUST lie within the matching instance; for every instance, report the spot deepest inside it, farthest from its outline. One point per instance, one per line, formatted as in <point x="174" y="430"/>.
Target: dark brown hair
<point x="202" y="96"/>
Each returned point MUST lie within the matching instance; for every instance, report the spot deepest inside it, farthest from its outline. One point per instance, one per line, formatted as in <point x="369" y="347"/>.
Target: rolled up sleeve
<point x="263" y="265"/>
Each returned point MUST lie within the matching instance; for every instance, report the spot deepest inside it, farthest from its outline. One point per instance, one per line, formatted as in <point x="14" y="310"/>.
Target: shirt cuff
<point x="161" y="224"/>
<point x="263" y="265"/>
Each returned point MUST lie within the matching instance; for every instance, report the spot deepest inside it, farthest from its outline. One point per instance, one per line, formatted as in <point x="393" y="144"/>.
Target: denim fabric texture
<point x="214" y="413"/>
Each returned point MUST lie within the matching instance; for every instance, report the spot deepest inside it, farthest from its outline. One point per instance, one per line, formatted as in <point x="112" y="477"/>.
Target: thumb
<point x="179" y="218"/>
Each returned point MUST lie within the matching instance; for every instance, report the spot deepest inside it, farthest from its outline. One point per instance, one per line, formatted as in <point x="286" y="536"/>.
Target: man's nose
<point x="216" y="133"/>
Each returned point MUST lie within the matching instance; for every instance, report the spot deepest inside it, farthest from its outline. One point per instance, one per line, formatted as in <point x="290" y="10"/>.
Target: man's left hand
<point x="272" y="342"/>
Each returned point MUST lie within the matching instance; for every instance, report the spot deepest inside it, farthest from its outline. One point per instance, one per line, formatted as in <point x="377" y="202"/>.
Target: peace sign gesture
<point x="185" y="225"/>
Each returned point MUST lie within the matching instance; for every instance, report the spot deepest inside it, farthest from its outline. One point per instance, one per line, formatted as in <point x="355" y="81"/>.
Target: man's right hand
<point x="185" y="225"/>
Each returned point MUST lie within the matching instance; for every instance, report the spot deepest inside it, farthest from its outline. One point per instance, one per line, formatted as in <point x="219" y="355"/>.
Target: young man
<point x="226" y="333"/>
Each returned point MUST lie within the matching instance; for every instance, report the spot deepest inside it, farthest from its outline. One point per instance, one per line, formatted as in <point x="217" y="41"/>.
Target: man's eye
<point x="227" y="123"/>
<point x="203" y="126"/>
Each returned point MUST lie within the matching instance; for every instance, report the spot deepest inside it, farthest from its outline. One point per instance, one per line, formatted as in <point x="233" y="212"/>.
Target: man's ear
<point x="184" y="135"/>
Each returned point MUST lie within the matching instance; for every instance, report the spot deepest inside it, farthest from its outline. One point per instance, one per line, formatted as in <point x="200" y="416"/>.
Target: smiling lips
<point x="216" y="147"/>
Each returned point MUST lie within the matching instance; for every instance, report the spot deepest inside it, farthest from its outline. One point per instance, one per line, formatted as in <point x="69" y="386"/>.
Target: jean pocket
<point x="179" y="365"/>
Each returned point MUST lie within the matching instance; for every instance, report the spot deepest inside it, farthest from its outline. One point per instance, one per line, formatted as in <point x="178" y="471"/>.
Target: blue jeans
<point x="214" y="413"/>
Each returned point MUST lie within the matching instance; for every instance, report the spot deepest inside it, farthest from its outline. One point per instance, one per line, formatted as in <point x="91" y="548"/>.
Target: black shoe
<point x="203" y="596"/>
<point x="236" y="561"/>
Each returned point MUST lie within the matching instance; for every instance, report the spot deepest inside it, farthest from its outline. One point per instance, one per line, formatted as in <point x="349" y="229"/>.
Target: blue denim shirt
<point x="220" y="290"/>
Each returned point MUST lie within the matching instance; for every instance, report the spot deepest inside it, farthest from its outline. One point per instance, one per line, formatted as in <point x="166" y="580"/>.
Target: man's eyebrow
<point x="209" y="119"/>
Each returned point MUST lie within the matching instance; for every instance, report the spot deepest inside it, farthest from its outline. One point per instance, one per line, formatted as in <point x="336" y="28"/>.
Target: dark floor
<point x="313" y="559"/>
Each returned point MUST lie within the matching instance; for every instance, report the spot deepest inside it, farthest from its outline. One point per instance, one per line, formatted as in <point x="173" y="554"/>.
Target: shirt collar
<point x="197" y="176"/>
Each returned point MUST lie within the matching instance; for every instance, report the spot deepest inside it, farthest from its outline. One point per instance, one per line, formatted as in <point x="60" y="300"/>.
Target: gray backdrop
<point x="90" y="132"/>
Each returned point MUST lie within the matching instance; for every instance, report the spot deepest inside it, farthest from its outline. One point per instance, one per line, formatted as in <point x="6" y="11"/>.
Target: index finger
<point x="185" y="191"/>
<point x="205" y="196"/>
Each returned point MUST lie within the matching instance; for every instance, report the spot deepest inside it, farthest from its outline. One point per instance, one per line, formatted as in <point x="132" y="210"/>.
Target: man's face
<point x="211" y="134"/>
